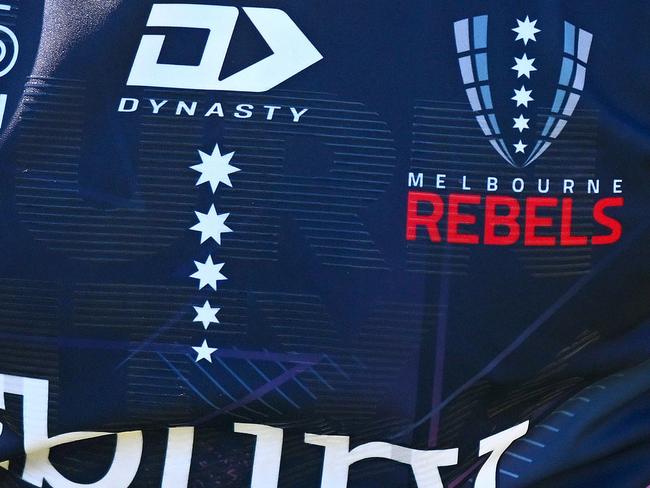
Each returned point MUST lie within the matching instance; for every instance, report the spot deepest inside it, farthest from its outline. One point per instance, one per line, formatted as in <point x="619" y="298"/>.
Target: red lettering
<point x="615" y="227"/>
<point x="456" y="218"/>
<point x="534" y="221"/>
<point x="429" y="221"/>
<point x="566" y="239"/>
<point x="508" y="221"/>
<point x="503" y="224"/>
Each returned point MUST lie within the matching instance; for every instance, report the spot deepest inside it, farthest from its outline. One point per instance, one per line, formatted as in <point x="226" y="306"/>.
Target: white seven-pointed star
<point x="206" y="315"/>
<point x="215" y="168"/>
<point x="204" y="352"/>
<point x="521" y="123"/>
<point x="208" y="273"/>
<point x="211" y="225"/>
<point x="524" y="66"/>
<point x="526" y="30"/>
<point x="522" y="96"/>
<point x="519" y="148"/>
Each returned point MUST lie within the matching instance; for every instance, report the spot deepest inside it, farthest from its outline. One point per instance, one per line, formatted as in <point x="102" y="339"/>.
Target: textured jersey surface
<point x="344" y="243"/>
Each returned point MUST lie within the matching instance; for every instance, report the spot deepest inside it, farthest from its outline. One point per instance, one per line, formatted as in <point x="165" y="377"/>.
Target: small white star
<point x="204" y="352"/>
<point x="521" y="123"/>
<point x="519" y="147"/>
<point x="208" y="273"/>
<point x="215" y="168"/>
<point x="522" y="96"/>
<point x="211" y="225"/>
<point x="524" y="66"/>
<point x="526" y="30"/>
<point x="206" y="315"/>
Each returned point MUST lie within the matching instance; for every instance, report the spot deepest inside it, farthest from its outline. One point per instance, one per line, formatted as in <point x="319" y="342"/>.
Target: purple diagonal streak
<point x="528" y="331"/>
<point x="259" y="392"/>
<point x="441" y="341"/>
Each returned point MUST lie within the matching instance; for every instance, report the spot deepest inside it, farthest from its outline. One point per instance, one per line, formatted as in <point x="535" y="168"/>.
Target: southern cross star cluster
<point x="524" y="66"/>
<point x="215" y="169"/>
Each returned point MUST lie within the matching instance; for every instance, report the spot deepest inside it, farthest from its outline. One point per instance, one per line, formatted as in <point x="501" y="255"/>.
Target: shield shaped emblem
<point x="471" y="36"/>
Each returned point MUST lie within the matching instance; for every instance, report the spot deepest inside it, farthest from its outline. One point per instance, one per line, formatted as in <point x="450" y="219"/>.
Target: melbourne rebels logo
<point x="472" y="48"/>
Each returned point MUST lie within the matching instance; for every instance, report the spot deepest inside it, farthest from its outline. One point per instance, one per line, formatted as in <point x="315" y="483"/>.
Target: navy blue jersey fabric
<point x="391" y="268"/>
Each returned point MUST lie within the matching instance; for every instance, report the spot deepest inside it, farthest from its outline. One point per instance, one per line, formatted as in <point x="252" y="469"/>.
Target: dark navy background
<point x="111" y="327"/>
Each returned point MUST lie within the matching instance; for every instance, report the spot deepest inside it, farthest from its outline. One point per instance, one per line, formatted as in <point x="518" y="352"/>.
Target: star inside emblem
<point x="524" y="66"/>
<point x="208" y="273"/>
<point x="204" y="352"/>
<point x="519" y="147"/>
<point x="206" y="315"/>
<point x="521" y="123"/>
<point x="211" y="225"/>
<point x="522" y="96"/>
<point x="526" y="30"/>
<point x="215" y="168"/>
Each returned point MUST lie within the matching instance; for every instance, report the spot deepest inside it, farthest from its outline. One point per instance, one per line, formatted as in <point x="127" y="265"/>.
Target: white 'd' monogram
<point x="292" y="51"/>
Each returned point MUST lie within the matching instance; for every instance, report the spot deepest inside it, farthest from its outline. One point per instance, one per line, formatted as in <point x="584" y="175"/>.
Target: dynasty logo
<point x="292" y="52"/>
